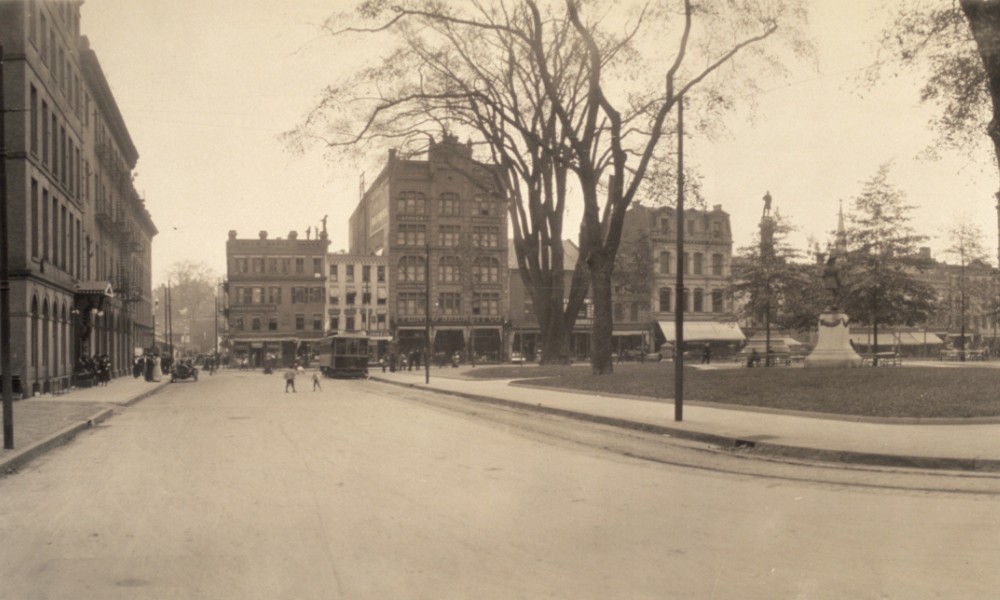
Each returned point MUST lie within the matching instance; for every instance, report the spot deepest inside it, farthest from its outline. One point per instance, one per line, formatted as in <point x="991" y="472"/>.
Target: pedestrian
<point x="316" y="385"/>
<point x="706" y="355"/>
<point x="753" y="359"/>
<point x="290" y="379"/>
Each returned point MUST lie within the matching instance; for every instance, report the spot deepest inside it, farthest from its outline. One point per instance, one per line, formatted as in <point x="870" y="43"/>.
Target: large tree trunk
<point x="984" y="23"/>
<point x="601" y="268"/>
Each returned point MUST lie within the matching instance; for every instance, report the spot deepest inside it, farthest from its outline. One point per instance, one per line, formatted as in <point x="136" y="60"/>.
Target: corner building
<point x="79" y="235"/>
<point x="443" y="232"/>
<point x="276" y="297"/>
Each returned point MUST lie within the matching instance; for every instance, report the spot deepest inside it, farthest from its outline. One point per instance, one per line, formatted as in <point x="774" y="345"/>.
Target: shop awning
<point x="99" y="288"/>
<point x="704" y="331"/>
<point x="902" y="338"/>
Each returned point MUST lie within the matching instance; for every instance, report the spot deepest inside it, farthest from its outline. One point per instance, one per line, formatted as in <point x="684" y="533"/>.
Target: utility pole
<point x="5" y="345"/>
<point x="679" y="300"/>
<point x="427" y="313"/>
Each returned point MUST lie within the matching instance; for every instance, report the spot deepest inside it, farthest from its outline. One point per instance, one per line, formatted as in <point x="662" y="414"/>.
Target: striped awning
<point x="704" y="331"/>
<point x="101" y="288"/>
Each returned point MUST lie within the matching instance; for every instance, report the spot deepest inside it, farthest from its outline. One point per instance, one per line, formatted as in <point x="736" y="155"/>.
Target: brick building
<point x="276" y="297"/>
<point x="436" y="217"/>
<point x="79" y="234"/>
<point x="358" y="298"/>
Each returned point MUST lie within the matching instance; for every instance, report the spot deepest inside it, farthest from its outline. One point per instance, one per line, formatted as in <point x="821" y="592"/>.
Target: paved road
<point x="230" y="488"/>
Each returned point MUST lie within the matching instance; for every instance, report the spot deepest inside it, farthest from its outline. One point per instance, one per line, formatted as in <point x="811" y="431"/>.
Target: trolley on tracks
<point x="343" y="355"/>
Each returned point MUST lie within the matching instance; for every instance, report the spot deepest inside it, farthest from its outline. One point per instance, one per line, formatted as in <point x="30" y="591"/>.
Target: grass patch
<point x="919" y="392"/>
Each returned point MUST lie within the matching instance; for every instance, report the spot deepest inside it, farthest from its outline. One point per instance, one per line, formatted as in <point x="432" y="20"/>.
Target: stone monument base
<point x="833" y="345"/>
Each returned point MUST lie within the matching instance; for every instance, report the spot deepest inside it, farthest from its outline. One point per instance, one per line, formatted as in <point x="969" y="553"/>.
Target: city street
<point x="231" y="488"/>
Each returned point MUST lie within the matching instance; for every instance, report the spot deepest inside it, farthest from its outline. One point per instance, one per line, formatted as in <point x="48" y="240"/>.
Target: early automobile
<point x="183" y="370"/>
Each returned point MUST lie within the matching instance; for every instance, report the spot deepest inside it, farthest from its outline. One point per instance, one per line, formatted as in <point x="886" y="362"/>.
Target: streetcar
<point x="343" y="355"/>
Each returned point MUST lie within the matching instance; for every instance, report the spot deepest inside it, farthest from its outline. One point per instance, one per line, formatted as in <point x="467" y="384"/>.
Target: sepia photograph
<point x="499" y="299"/>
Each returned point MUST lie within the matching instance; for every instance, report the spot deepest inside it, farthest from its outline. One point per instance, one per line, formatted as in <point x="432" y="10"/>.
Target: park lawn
<point x="914" y="392"/>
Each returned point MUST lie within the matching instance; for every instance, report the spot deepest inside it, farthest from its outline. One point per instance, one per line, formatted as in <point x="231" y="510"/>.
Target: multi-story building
<point x="444" y="235"/>
<point x="644" y="315"/>
<point x="276" y="297"/>
<point x="525" y="333"/>
<point x="79" y="236"/>
<point x="358" y="298"/>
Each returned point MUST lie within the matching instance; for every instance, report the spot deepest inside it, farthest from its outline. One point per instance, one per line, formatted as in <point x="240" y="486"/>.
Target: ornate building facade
<point x="444" y="236"/>
<point x="79" y="234"/>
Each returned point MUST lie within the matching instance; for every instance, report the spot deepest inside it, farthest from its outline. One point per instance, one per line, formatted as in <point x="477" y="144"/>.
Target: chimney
<point x="263" y="235"/>
<point x="717" y="208"/>
<point x="293" y="235"/>
<point x="232" y="234"/>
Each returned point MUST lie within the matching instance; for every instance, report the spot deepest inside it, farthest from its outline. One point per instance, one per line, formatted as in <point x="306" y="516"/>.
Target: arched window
<point x="665" y="259"/>
<point x="448" y="269"/>
<point x="486" y="270"/>
<point x="35" y="345"/>
<point x="411" y="203"/>
<point x="665" y="300"/>
<point x="45" y="333"/>
<point x="412" y="269"/>
<point x="717" y="301"/>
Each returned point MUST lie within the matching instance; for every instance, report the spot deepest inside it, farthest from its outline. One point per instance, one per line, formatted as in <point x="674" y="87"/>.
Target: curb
<point x="768" y="448"/>
<point x="19" y="458"/>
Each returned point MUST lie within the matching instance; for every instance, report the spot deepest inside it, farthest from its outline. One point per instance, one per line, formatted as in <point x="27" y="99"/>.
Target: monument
<point x="833" y="346"/>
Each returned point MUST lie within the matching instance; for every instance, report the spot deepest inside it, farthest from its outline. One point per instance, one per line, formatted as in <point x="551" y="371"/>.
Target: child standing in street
<point x="290" y="380"/>
<point x="316" y="385"/>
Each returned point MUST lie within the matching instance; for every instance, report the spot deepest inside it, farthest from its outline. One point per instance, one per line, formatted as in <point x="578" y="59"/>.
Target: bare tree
<point x="554" y="90"/>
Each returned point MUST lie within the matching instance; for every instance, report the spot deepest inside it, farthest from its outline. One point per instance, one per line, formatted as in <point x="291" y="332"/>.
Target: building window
<point x="299" y="295"/>
<point x="411" y="269"/>
<point x="665" y="259"/>
<point x="448" y="269"/>
<point x="717" y="301"/>
<point x="486" y="206"/>
<point x="411" y="235"/>
<point x="486" y="304"/>
<point x="300" y="322"/>
<point x="450" y="206"/>
<point x="699" y="259"/>
<point x="351" y="297"/>
<point x="699" y="300"/>
<point x="317" y="266"/>
<point x="255" y="324"/>
<point x="34" y="219"/>
<point x="34" y="121"/>
<point x="717" y="264"/>
<point x="257" y="264"/>
<point x="665" y="299"/>
<point x="334" y="299"/>
<point x="411" y="203"/>
<point x="450" y="303"/>
<point x="349" y="275"/>
<point x="486" y="270"/>
<point x="687" y="263"/>
<point x="238" y="324"/>
<point x="272" y="323"/>
<point x="333" y="272"/>
<point x="689" y="225"/>
<point x="619" y="311"/>
<point x="317" y="322"/>
<point x="274" y="295"/>
<point x="448" y="235"/>
<point x="665" y="226"/>
<point x="316" y="294"/>
<point x="335" y="323"/>
<point x="257" y="295"/>
<point x="272" y="265"/>
<point x="716" y="229"/>
<point x="411" y="304"/>
<point x="486" y="237"/>
<point x="380" y="274"/>
<point x="634" y="312"/>
<point x="366" y="273"/>
<point x="241" y="264"/>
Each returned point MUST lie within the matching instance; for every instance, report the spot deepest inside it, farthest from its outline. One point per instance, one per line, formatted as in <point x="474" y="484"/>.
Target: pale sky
<point x="206" y="87"/>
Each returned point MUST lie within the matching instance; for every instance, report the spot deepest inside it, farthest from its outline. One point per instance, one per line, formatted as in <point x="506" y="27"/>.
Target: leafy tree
<point x="965" y="245"/>
<point x="552" y="90"/>
<point x="192" y="300"/>
<point x="881" y="283"/>
<point x="957" y="43"/>
<point x="770" y="284"/>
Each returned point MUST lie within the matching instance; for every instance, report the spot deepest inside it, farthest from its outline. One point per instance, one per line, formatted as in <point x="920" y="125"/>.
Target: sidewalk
<point x="972" y="444"/>
<point x="42" y="422"/>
